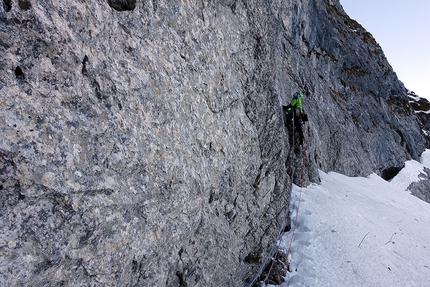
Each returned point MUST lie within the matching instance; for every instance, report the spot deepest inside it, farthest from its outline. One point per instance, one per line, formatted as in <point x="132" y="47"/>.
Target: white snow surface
<point x="425" y="112"/>
<point x="360" y="232"/>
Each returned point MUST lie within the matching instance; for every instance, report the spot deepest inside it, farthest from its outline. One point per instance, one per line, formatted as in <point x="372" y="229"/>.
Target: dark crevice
<point x="122" y="5"/>
<point x="7" y="5"/>
<point x="94" y="84"/>
<point x="24" y="5"/>
<point x="391" y="172"/>
<point x="19" y="73"/>
<point x="253" y="258"/>
<point x="182" y="282"/>
<point x="97" y="90"/>
<point x="84" y="66"/>
<point x="135" y="266"/>
<point x="257" y="179"/>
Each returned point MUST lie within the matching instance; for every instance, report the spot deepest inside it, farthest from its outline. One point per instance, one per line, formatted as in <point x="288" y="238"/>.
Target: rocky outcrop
<point x="360" y="119"/>
<point x="143" y="142"/>
<point x="421" y="188"/>
<point x="421" y="107"/>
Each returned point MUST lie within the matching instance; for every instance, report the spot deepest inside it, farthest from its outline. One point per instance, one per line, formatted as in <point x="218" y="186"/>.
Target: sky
<point x="360" y="231"/>
<point x="402" y="29"/>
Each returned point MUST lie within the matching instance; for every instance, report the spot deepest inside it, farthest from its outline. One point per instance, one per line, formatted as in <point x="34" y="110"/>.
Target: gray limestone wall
<point x="142" y="142"/>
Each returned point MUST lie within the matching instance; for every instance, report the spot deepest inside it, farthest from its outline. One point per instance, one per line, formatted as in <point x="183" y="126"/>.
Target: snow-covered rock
<point x="421" y="107"/>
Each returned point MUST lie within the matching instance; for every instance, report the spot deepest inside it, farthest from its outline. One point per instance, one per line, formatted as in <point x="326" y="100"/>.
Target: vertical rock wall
<point x="360" y="118"/>
<point x="143" y="142"/>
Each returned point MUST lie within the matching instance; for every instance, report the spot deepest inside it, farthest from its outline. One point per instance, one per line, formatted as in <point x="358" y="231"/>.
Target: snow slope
<point x="360" y="232"/>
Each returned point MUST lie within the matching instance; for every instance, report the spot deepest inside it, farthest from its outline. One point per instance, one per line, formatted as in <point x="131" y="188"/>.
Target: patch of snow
<point x="360" y="232"/>
<point x="414" y="98"/>
<point x="424" y="112"/>
<point x="408" y="175"/>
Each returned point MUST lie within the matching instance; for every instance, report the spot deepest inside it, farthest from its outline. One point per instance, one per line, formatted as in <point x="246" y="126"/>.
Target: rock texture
<point x="421" y="188"/>
<point x="142" y="142"/>
<point x="421" y="107"/>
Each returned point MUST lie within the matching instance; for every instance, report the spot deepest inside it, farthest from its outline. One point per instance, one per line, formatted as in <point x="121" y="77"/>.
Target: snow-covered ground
<point x="361" y="232"/>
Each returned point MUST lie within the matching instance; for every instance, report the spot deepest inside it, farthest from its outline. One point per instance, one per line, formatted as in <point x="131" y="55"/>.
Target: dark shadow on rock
<point x="122" y="5"/>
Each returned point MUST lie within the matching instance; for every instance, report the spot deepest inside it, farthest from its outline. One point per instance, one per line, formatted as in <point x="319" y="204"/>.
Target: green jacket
<point x="296" y="104"/>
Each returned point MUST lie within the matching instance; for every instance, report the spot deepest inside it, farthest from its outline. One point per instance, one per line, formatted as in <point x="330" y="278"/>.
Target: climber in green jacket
<point x="294" y="112"/>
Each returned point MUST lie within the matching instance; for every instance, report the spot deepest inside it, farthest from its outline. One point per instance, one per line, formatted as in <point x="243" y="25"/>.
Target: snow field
<point x="360" y="232"/>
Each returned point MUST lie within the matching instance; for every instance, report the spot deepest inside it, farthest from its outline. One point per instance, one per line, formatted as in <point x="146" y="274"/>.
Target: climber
<point x="294" y="113"/>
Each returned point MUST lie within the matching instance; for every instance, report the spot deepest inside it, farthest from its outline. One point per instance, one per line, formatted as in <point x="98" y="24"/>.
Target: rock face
<point x="142" y="142"/>
<point x="421" y="106"/>
<point x="421" y="188"/>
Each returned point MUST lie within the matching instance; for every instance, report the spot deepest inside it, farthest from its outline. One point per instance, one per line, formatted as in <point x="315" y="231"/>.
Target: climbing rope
<point x="270" y="253"/>
<point x="297" y="216"/>
<point x="279" y="235"/>
<point x="273" y="254"/>
<point x="291" y="188"/>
